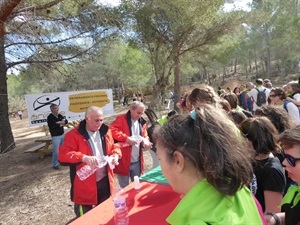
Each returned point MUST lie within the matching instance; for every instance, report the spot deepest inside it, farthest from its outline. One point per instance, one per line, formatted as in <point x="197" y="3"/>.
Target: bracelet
<point x="276" y="218"/>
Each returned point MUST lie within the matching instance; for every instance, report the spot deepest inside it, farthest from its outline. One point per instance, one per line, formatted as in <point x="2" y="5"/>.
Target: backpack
<point x="286" y="102"/>
<point x="261" y="97"/>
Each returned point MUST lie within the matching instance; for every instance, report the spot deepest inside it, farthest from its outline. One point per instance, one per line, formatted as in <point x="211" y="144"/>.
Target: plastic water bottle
<point x="137" y="184"/>
<point x="86" y="171"/>
<point x="111" y="159"/>
<point x="137" y="138"/>
<point x="121" y="210"/>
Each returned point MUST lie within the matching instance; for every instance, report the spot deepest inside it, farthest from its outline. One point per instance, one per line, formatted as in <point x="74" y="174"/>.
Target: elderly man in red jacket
<point x="130" y="130"/>
<point x="84" y="145"/>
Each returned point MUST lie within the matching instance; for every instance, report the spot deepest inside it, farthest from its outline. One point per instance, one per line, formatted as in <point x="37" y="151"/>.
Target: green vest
<point x="203" y="204"/>
<point x="162" y="120"/>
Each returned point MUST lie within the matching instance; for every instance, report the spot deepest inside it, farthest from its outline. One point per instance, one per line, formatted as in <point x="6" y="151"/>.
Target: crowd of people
<point x="266" y="118"/>
<point x="232" y="155"/>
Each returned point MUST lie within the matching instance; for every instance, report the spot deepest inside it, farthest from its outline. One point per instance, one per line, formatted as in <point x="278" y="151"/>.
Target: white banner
<point x="72" y="105"/>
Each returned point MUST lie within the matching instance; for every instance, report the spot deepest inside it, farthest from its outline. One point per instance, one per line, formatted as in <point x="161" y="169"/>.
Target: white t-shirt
<point x="253" y="93"/>
<point x="135" y="149"/>
<point x="97" y="148"/>
<point x="293" y="112"/>
<point x="296" y="97"/>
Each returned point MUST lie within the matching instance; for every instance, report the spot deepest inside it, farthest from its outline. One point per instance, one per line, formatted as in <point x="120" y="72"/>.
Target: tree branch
<point x="41" y="7"/>
<point x="29" y="61"/>
<point x="51" y="42"/>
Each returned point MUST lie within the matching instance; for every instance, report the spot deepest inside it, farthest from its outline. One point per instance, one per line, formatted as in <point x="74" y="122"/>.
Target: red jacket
<point x="76" y="145"/>
<point x="120" y="129"/>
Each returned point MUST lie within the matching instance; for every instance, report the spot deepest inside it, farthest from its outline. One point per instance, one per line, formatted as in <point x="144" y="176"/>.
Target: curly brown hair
<point x="295" y="86"/>
<point x="232" y="99"/>
<point x="278" y="116"/>
<point x="262" y="134"/>
<point x="290" y="137"/>
<point x="279" y="92"/>
<point x="202" y="95"/>
<point x="237" y="116"/>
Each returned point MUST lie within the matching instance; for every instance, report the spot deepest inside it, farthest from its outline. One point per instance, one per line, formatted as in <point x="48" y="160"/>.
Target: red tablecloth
<point x="151" y="204"/>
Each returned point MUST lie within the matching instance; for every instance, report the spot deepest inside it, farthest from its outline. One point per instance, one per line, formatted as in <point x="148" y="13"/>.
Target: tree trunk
<point x="263" y="63"/>
<point x="245" y="66"/>
<point x="6" y="6"/>
<point x="267" y="52"/>
<point x="256" y="68"/>
<point x="235" y="66"/>
<point x="7" y="142"/>
<point x="157" y="89"/>
<point x="177" y="90"/>
<point x="119" y="92"/>
<point x="268" y="60"/>
<point x="206" y="75"/>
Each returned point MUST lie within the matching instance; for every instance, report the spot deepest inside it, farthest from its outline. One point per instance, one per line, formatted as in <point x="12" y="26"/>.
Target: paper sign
<point x="80" y="102"/>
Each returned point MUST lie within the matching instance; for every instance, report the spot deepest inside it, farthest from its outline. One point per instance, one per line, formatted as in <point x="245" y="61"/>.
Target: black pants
<point x="103" y="193"/>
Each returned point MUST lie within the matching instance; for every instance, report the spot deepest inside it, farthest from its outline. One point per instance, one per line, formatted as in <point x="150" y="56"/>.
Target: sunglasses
<point x="272" y="96"/>
<point x="291" y="160"/>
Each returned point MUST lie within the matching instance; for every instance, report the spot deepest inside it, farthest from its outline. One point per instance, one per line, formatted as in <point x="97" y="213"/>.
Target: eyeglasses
<point x="95" y="120"/>
<point x="272" y="96"/>
<point x="290" y="159"/>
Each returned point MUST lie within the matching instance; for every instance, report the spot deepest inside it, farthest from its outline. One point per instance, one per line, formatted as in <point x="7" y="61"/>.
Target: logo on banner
<point x="44" y="101"/>
<point x="41" y="107"/>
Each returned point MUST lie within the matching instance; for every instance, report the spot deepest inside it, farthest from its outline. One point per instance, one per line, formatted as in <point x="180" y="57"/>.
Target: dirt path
<point x="31" y="191"/>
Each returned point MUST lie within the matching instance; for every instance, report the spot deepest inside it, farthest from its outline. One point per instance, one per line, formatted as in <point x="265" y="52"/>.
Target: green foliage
<point x="171" y="29"/>
<point x="16" y="101"/>
<point x="15" y="104"/>
<point x="154" y="33"/>
<point x="112" y="63"/>
<point x="272" y="34"/>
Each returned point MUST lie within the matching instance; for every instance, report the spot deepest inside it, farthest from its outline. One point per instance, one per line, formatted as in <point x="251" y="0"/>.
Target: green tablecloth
<point x="154" y="176"/>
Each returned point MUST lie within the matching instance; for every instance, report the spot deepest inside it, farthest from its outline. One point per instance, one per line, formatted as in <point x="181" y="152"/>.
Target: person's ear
<point x="179" y="161"/>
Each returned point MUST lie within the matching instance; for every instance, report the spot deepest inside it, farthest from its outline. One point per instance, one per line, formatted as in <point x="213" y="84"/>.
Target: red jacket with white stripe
<point x="75" y="145"/>
<point x="121" y="130"/>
